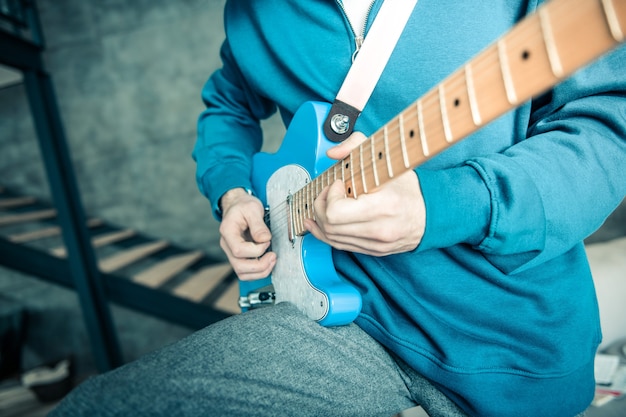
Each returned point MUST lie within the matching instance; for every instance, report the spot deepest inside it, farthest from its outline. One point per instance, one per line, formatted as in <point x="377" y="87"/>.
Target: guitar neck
<point x="536" y="54"/>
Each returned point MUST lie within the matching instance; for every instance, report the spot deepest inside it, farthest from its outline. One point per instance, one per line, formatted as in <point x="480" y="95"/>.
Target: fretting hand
<point x="390" y="220"/>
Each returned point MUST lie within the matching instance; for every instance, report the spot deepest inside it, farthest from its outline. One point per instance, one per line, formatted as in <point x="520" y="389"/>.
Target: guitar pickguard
<point x="289" y="277"/>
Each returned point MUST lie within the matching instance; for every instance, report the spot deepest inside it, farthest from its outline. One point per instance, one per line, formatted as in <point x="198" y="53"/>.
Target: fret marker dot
<point x="380" y="155"/>
<point x="525" y="55"/>
<point x="412" y="133"/>
<point x="457" y="102"/>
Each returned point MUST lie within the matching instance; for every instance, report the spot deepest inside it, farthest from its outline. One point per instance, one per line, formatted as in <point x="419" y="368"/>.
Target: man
<point x="477" y="297"/>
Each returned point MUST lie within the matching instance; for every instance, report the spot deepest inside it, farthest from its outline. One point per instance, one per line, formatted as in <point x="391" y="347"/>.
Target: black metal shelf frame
<point x="21" y="47"/>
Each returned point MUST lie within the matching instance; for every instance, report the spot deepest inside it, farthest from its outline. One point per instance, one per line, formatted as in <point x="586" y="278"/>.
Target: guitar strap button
<point x="340" y="121"/>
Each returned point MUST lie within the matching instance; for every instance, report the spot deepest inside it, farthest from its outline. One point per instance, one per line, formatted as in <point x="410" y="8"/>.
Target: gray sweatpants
<point x="267" y="362"/>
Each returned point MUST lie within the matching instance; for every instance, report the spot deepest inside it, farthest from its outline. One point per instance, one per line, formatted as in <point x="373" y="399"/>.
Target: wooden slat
<point x="199" y="285"/>
<point x="228" y="302"/>
<point x="16" y="202"/>
<point x="27" y="217"/>
<point x="45" y="232"/>
<point x="160" y="273"/>
<point x="135" y="254"/>
<point x="98" y="242"/>
<point x="19" y="401"/>
<point x="35" y="234"/>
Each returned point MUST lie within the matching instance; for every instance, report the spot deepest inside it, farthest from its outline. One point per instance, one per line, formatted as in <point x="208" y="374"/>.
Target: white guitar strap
<point x="367" y="68"/>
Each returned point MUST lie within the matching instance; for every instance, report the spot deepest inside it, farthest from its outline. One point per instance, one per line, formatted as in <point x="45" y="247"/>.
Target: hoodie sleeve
<point x="540" y="197"/>
<point x="229" y="131"/>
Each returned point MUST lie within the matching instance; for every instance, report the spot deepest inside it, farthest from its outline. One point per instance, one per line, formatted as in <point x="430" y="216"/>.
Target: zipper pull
<point x="358" y="41"/>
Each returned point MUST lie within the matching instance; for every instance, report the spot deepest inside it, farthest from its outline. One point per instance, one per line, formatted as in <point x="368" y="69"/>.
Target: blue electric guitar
<point x="536" y="54"/>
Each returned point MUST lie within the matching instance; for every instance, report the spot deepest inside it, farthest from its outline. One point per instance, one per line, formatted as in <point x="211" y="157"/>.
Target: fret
<point x="387" y="155"/>
<point x="374" y="168"/>
<point x="511" y="95"/>
<point x="613" y="20"/>
<point x="529" y="63"/>
<point x="548" y="36"/>
<point x="457" y="106"/>
<point x="422" y="130"/>
<point x="471" y="92"/>
<point x="582" y="33"/>
<point x="362" y="169"/>
<point x="291" y="233"/>
<point x="413" y="145"/>
<point x="405" y="154"/>
<point x="444" y="114"/>
<point x="300" y="220"/>
<point x="309" y="202"/>
<point x="329" y="176"/>
<point x="357" y="171"/>
<point x="378" y="152"/>
<point x="343" y="171"/>
<point x="491" y="97"/>
<point x="353" y="188"/>
<point x="301" y="209"/>
<point x="302" y="205"/>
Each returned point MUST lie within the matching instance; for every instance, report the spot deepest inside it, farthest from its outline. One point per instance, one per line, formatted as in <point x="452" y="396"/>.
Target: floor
<point x="17" y="401"/>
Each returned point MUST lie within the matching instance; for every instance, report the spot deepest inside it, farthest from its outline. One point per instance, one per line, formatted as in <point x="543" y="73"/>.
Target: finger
<point x="235" y="244"/>
<point x="259" y="232"/>
<point x="339" y="209"/>
<point x="344" y="148"/>
<point x="250" y="268"/>
<point x="313" y="228"/>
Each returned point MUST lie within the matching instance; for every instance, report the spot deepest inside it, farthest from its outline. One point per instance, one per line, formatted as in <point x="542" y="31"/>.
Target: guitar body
<point x="304" y="274"/>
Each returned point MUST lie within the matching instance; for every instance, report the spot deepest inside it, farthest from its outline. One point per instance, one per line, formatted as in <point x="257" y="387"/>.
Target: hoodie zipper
<point x="359" y="36"/>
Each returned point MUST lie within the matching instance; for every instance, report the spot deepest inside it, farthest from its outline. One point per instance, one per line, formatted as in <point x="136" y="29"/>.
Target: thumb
<point x="344" y="148"/>
<point x="259" y="231"/>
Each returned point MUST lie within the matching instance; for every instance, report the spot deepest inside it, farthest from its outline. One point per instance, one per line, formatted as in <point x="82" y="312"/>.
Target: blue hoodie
<point x="496" y="306"/>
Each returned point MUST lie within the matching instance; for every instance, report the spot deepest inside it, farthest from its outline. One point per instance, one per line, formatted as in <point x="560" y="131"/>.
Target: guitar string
<point x="431" y="101"/>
